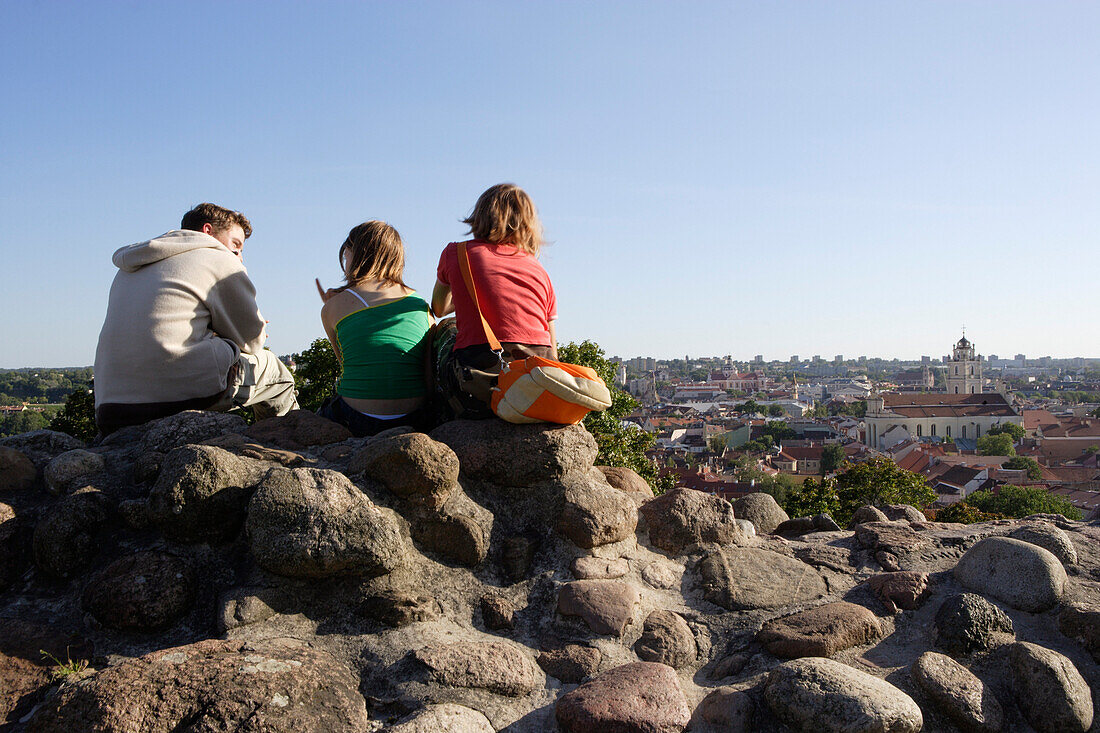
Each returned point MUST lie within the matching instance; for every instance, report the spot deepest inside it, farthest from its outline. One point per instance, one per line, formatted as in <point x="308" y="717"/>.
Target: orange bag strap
<point x="468" y="278"/>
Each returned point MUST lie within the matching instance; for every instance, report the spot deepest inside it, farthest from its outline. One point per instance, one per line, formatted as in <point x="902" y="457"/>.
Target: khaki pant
<point x="262" y="382"/>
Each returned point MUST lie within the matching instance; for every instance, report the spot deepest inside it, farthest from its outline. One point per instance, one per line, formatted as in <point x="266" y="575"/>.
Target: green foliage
<point x="717" y="443"/>
<point x="1022" y="501"/>
<point x="853" y="409"/>
<point x="1009" y="428"/>
<point x="1018" y="463"/>
<point x="316" y="372"/>
<point x="750" y="407"/>
<point x="819" y="410"/>
<point x="996" y="444"/>
<point x="813" y="497"/>
<point x="22" y="422"/>
<point x="879" y="481"/>
<point x="66" y="668"/>
<point x="775" y="411"/>
<point x="964" y="513"/>
<point x="77" y="417"/>
<point x="778" y="431"/>
<point x="832" y="458"/>
<point x="41" y="385"/>
<point x="1093" y="449"/>
<point x="619" y="444"/>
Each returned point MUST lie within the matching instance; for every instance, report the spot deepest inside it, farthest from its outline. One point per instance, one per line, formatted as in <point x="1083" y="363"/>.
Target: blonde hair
<point x="372" y="251"/>
<point x="505" y="214"/>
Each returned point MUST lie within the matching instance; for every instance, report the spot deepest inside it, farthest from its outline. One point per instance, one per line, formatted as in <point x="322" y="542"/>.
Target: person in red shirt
<point x="513" y="289"/>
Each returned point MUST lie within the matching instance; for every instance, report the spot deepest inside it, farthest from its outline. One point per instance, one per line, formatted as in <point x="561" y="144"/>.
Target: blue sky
<point x="716" y="178"/>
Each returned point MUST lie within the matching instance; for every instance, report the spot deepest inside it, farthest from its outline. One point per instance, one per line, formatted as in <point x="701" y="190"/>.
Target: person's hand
<point x="326" y="295"/>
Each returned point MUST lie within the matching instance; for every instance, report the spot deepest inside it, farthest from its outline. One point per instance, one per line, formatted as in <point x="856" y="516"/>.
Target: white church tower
<point x="964" y="371"/>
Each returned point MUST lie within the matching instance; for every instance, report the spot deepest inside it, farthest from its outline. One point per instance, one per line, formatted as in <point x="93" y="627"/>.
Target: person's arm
<point x="234" y="314"/>
<point x="553" y="341"/>
<point x="330" y="330"/>
<point x="442" y="302"/>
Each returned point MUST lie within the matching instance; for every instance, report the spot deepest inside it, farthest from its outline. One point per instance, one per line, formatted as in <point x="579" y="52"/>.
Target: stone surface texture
<point x="71" y="470"/>
<point x="17" y="472"/>
<point x="666" y="638"/>
<point x="958" y="693"/>
<point x="820" y="632"/>
<point x="607" y="606"/>
<point x="643" y="697"/>
<point x="410" y="465"/>
<point x="744" y="578"/>
<point x="1050" y="689"/>
<point x="1049" y="537"/>
<point x="1023" y="575"/>
<point x="683" y="517"/>
<point x="145" y="591"/>
<point x="817" y="694"/>
<point x="966" y="623"/>
<point x="625" y="479"/>
<point x="597" y="515"/>
<point x="762" y="510"/>
<point x="501" y="667"/>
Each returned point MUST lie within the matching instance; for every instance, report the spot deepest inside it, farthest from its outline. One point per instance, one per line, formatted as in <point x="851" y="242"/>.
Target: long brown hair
<point x="372" y="251"/>
<point x="505" y="214"/>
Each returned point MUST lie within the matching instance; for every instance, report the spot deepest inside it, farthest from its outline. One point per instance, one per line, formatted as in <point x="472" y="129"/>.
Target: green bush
<point x="1022" y="501"/>
<point x="964" y="513"/>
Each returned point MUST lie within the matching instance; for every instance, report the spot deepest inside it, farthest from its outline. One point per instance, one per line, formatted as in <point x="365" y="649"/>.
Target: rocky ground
<point x="485" y="577"/>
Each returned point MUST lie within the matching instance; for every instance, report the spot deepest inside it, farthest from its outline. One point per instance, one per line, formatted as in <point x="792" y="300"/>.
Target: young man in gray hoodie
<point x="183" y="331"/>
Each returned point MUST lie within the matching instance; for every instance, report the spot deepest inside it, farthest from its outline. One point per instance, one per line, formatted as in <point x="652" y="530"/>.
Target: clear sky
<point x="716" y="178"/>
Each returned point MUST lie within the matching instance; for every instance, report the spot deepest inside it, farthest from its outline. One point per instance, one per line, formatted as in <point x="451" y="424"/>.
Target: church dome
<point x="963" y="343"/>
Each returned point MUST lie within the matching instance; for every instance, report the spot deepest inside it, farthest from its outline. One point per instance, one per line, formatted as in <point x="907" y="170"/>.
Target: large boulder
<point x="867" y="513"/>
<point x="820" y="632"/>
<point x="443" y="718"/>
<point x="666" y="638"/>
<point x="14" y="546"/>
<point x="42" y="446"/>
<point x="272" y="685"/>
<point x="958" y="693"/>
<point x="762" y="510"/>
<point x="681" y="518"/>
<point x="68" y="535"/>
<point x="627" y="480"/>
<point x="17" y="472"/>
<point x="607" y="606"/>
<point x="189" y="427"/>
<point x="968" y="623"/>
<point x="570" y="663"/>
<point x="1023" y="575"/>
<point x="744" y="578"/>
<point x="643" y="697"/>
<point x="596" y="515"/>
<point x="314" y="523"/>
<point x="201" y="493"/>
<point x="71" y="470"/>
<point x="146" y="591"/>
<point x="1048" y="537"/>
<point x="903" y="590"/>
<point x="26" y="666"/>
<point x="298" y="429"/>
<point x="517" y="455"/>
<point x="818" y="695"/>
<point x="503" y="667"/>
<point x="1082" y="622"/>
<point x="410" y="465"/>
<point x="1053" y="694"/>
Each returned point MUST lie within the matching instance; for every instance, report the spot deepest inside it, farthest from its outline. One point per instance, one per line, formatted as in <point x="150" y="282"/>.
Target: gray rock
<point x="146" y="591"/>
<point x="906" y="512"/>
<point x="642" y="697"/>
<point x="867" y="513"/>
<point x="571" y="663"/>
<point x="967" y="623"/>
<point x="410" y="465"/>
<point x="1053" y="694"/>
<point x="725" y="709"/>
<point x="666" y="639"/>
<point x="1048" y="537"/>
<point x="728" y="666"/>
<point x="625" y="479"/>
<point x="14" y="548"/>
<point x="1083" y="624"/>
<point x="742" y="579"/>
<point x="820" y="632"/>
<point x="817" y="695"/>
<point x="497" y="613"/>
<point x="297" y="429"/>
<point x="517" y="455"/>
<point x="748" y="529"/>
<point x="17" y="472"/>
<point x="42" y="446"/>
<point x="607" y="606"/>
<point x="244" y="606"/>
<point x="67" y="536"/>
<point x="456" y="537"/>
<point x="958" y="693"/>
<point x="443" y="718"/>
<point x="805" y="525"/>
<point x="498" y="666"/>
<point x="201" y="493"/>
<point x="72" y="469"/>
<point x="597" y="515"/>
<point x="146" y="468"/>
<point x="661" y="575"/>
<point x="399" y="608"/>
<point x="313" y="523"/>
<point x="134" y="513"/>
<point x="190" y="427"/>
<point x="1023" y="575"/>
<point x="588" y="568"/>
<point x="762" y="510"/>
<point x="905" y="590"/>
<point x="516" y="555"/>
<point x="681" y="518"/>
<point x="275" y="685"/>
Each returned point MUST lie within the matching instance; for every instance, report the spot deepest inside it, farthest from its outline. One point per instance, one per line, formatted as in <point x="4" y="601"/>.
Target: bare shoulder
<point x="338" y="306"/>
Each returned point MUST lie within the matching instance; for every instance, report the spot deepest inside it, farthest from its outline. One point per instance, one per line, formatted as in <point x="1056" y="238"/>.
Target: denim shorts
<point x="360" y="425"/>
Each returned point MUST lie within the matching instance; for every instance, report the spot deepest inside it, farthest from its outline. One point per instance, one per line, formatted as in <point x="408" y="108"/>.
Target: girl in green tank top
<point x="380" y="330"/>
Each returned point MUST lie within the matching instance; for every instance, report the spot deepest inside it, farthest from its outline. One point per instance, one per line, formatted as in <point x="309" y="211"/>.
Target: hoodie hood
<point x="135" y="256"/>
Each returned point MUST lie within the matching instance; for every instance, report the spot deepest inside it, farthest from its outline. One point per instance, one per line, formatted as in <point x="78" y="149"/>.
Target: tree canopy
<point x="832" y="458"/>
<point x="1017" y="463"/>
<point x="1008" y="428"/>
<point x="996" y="444"/>
<point x="1022" y="501"/>
<point x="316" y="372"/>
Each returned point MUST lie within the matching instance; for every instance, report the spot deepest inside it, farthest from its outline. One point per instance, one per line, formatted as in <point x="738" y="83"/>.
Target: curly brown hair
<point x="216" y="216"/>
